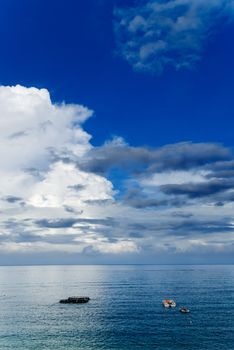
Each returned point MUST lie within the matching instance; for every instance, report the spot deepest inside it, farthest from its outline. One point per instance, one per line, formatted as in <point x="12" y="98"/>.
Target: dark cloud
<point x="59" y="223"/>
<point x="14" y="225"/>
<point x="12" y="199"/>
<point x="109" y="221"/>
<point x="55" y="239"/>
<point x="187" y="155"/>
<point x="220" y="170"/>
<point x="18" y="134"/>
<point x="98" y="201"/>
<point x="144" y="227"/>
<point x="181" y="227"/>
<point x="219" y="204"/>
<point x="70" y="222"/>
<point x="154" y="203"/>
<point x="198" y="227"/>
<point x="215" y="159"/>
<point x="225" y="197"/>
<point x="196" y="190"/>
<point x="136" y="235"/>
<point x="77" y="187"/>
<point x="225" y="165"/>
<point x="69" y="209"/>
<point x="29" y="237"/>
<point x="72" y="210"/>
<point x="180" y="156"/>
<point x="222" y="174"/>
<point x="35" y="173"/>
<point x="137" y="198"/>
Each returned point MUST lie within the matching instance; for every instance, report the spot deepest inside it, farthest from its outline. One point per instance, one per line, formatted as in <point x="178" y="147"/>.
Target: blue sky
<point x="69" y="47"/>
<point x="157" y="77"/>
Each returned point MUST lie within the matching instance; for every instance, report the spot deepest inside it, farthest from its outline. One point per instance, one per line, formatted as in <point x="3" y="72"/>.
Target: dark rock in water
<point x="75" y="300"/>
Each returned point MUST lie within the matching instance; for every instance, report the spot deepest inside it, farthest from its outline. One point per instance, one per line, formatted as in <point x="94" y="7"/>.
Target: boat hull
<point x="169" y="303"/>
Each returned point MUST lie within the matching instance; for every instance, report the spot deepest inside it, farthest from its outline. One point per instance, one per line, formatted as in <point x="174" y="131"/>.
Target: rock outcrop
<point x="75" y="300"/>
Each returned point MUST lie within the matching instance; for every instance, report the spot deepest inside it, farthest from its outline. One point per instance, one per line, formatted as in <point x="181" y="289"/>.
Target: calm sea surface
<point x="125" y="311"/>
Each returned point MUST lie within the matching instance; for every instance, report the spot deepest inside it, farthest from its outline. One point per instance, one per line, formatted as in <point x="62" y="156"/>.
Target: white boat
<point x="184" y="310"/>
<point x="169" y="303"/>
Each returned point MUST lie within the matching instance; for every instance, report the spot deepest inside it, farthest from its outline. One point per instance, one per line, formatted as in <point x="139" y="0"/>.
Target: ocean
<point x="125" y="310"/>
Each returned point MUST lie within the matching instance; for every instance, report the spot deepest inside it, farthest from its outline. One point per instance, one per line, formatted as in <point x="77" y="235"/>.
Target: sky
<point x="116" y="129"/>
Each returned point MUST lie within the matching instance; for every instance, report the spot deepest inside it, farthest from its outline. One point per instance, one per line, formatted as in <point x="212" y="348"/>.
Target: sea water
<point x="125" y="310"/>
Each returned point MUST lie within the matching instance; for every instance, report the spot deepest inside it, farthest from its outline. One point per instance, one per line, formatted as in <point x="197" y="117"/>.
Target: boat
<point x="184" y="310"/>
<point x="168" y="303"/>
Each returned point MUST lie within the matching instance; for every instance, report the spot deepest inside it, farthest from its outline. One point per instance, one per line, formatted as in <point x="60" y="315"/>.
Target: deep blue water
<point x="125" y="311"/>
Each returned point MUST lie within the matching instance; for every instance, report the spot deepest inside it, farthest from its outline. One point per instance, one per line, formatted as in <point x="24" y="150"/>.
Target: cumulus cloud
<point x="156" y="34"/>
<point x="37" y="137"/>
<point x="57" y="196"/>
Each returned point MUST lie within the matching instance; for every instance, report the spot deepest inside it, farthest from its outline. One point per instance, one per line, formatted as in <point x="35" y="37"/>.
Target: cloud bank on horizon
<point x="61" y="195"/>
<point x="157" y="34"/>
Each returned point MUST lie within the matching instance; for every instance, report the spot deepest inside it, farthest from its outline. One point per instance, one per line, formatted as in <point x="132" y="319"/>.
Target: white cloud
<point x="174" y="177"/>
<point x="156" y="34"/>
<point x="32" y="127"/>
<point x="51" y="203"/>
<point x="36" y="139"/>
<point x="117" y="248"/>
<point x="58" y="188"/>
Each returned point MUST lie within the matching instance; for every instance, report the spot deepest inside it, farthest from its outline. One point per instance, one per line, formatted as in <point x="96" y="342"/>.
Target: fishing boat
<point x="169" y="303"/>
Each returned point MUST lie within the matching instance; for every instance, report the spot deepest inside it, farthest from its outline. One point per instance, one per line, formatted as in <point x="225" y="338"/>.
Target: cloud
<point x="200" y="227"/>
<point x="157" y="34"/>
<point x="59" y="195"/>
<point x="180" y="156"/>
<point x="169" y="176"/>
<point x="59" y="223"/>
<point x="12" y="199"/>
<point x="184" y="226"/>
<point x="194" y="190"/>
<point x="77" y="187"/>
<point x="37" y="137"/>
<point x="138" y="199"/>
<point x="70" y="222"/>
